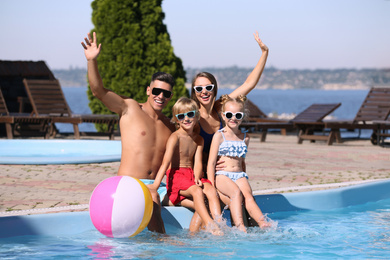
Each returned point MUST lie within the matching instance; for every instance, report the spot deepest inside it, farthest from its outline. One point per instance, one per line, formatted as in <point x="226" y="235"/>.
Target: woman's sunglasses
<point x="199" y="89"/>
<point x="166" y="93"/>
<point x="190" y="114"/>
<point x="238" y="115"/>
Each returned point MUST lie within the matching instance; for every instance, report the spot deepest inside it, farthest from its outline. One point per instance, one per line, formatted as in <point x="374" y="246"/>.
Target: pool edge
<point x="179" y="217"/>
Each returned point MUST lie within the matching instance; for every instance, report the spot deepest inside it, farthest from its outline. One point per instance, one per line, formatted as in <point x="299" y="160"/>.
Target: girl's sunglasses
<point x="190" y="114"/>
<point x="157" y="91"/>
<point x="229" y="115"/>
<point x="199" y="89"/>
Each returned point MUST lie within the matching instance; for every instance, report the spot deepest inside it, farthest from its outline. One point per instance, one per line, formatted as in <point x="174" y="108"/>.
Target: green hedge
<point x="135" y="44"/>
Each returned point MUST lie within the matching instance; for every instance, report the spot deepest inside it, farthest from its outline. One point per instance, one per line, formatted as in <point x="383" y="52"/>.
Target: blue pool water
<point x="270" y="101"/>
<point x="354" y="232"/>
<point x="37" y="151"/>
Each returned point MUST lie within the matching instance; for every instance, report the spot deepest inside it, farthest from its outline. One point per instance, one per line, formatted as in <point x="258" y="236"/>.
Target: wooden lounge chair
<point x="256" y="116"/>
<point x="46" y="97"/>
<point x="382" y="133"/>
<point x="13" y="121"/>
<point x="375" y="108"/>
<point x="311" y="120"/>
<point x="12" y="74"/>
<point x="313" y="114"/>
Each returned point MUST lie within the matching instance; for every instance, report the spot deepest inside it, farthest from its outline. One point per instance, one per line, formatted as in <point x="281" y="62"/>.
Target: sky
<point x="301" y="34"/>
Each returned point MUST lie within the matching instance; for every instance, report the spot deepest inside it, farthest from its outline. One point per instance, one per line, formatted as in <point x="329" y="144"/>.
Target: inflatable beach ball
<point x="120" y="206"/>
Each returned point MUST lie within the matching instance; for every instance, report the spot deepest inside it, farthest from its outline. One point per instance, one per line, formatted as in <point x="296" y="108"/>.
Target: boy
<point x="182" y="163"/>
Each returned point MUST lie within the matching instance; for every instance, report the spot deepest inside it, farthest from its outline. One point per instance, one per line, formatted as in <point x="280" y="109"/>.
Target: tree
<point x="135" y="44"/>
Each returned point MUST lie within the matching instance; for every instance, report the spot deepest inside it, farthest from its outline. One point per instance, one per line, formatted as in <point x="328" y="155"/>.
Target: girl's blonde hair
<point x="184" y="105"/>
<point x="241" y="100"/>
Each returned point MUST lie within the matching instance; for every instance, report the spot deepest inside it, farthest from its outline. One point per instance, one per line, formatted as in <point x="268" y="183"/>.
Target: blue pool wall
<point x="178" y="217"/>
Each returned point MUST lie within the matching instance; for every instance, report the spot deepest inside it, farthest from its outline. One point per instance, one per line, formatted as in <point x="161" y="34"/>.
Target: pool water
<point x="54" y="151"/>
<point x="361" y="231"/>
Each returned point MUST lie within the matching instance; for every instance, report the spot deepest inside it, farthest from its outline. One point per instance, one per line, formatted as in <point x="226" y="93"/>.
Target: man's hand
<point x="91" y="50"/>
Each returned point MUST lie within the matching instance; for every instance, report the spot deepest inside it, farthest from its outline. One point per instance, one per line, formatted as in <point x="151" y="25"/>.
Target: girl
<point x="183" y="165"/>
<point x="232" y="145"/>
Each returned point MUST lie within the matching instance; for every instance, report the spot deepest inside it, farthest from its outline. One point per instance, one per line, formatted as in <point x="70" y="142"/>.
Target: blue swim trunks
<point x="162" y="190"/>
<point x="233" y="175"/>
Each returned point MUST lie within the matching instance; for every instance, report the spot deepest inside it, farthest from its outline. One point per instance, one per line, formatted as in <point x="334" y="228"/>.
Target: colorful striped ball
<point x="120" y="206"/>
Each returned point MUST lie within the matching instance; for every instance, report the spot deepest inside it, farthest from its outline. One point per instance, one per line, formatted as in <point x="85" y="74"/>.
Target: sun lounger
<point x="14" y="121"/>
<point x="12" y="74"/>
<point x="382" y="133"/>
<point x="256" y="116"/>
<point x="46" y="97"/>
<point x="375" y="108"/>
<point x="311" y="120"/>
<point x="313" y="115"/>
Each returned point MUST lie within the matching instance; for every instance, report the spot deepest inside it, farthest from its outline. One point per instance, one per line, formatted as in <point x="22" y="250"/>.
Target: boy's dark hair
<point x="164" y="77"/>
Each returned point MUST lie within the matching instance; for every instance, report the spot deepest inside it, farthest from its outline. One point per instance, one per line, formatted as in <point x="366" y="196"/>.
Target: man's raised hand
<point x="91" y="50"/>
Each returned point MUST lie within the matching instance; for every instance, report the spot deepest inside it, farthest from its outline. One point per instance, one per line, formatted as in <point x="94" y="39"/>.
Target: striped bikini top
<point x="233" y="148"/>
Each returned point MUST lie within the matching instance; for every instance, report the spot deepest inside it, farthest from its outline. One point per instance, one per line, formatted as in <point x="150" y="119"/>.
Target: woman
<point x="204" y="92"/>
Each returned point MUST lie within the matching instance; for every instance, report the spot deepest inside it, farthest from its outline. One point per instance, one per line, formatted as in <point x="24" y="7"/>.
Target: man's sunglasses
<point x="199" y="89"/>
<point x="238" y="115"/>
<point x="157" y="91"/>
<point x="190" y="114"/>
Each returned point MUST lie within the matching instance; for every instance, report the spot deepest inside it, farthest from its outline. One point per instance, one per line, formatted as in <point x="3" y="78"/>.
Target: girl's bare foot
<point x="264" y="224"/>
<point x="241" y="227"/>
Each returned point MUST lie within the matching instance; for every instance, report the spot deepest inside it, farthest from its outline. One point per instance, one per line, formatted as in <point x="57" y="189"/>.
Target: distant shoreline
<point x="188" y="86"/>
<point x="231" y="77"/>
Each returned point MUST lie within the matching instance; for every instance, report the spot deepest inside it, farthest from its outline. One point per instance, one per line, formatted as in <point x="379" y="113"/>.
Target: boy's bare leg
<point x="196" y="221"/>
<point x="197" y="195"/>
<point x="214" y="204"/>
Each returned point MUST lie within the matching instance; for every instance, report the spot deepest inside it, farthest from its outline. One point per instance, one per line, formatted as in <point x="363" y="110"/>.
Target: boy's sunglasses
<point x="199" y="89"/>
<point x="238" y="115"/>
<point x="190" y="114"/>
<point x="166" y="93"/>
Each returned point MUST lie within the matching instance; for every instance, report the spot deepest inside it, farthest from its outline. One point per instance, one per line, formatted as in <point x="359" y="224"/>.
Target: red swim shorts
<point x="180" y="179"/>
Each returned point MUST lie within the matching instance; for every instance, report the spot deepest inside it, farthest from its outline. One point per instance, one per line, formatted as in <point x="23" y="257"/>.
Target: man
<point x="144" y="128"/>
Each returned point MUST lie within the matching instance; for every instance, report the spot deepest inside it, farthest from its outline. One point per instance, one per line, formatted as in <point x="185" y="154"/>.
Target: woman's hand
<point x="263" y="47"/>
<point x="220" y="166"/>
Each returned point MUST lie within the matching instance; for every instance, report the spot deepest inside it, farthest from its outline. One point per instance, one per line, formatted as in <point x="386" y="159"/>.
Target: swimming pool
<point x="35" y="151"/>
<point x="352" y="222"/>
